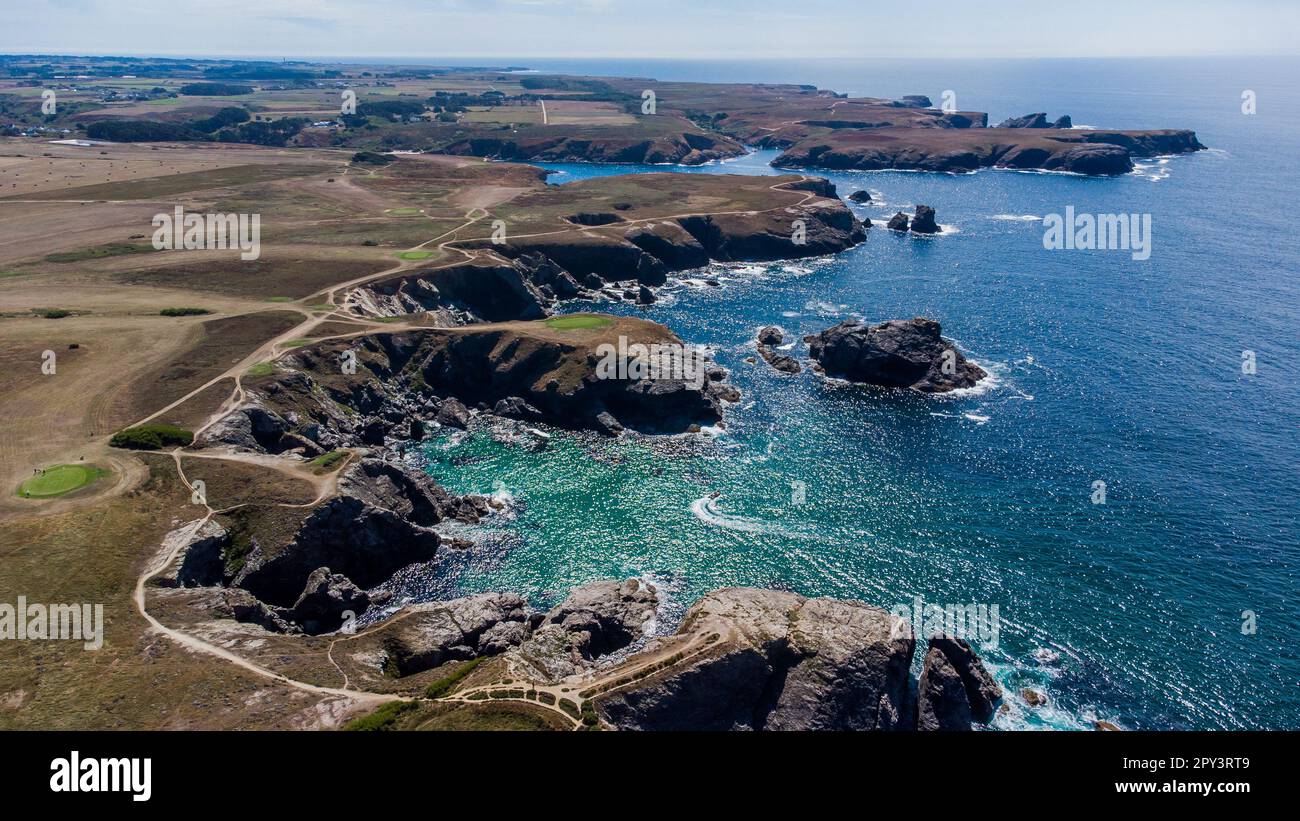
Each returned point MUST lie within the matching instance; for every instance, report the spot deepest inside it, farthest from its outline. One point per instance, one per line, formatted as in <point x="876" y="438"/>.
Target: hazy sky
<point x="697" y="29"/>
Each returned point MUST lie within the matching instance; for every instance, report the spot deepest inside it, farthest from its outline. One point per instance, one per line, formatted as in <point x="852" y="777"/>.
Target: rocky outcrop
<point x="429" y="635"/>
<point x="898" y="222"/>
<point x="1038" y="120"/>
<point x="955" y="689"/>
<point x="593" y="621"/>
<point x="769" y="338"/>
<point x="860" y="196"/>
<point x="302" y="568"/>
<point x="821" y="227"/>
<point x="897" y="354"/>
<point x="325" y="601"/>
<point x="409" y="492"/>
<point x="748" y="659"/>
<point x="923" y="222"/>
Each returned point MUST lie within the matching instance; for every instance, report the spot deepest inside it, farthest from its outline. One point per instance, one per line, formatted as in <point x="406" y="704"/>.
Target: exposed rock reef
<point x="769" y="338"/>
<point x="771" y="660"/>
<point x="896" y="354"/>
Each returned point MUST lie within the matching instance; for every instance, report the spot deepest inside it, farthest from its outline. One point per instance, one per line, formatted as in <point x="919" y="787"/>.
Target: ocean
<point x="1172" y="605"/>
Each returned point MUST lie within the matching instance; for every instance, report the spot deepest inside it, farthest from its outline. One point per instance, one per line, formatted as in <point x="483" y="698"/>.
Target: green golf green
<point x="59" y="480"/>
<point x="404" y="212"/>
<point x="415" y="255"/>
<point x="573" y="322"/>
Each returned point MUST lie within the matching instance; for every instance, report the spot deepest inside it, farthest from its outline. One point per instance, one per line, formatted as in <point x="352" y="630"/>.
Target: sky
<point x="669" y="29"/>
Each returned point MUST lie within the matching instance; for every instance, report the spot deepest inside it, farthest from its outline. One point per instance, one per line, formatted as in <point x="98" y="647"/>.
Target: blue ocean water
<point x="1107" y="369"/>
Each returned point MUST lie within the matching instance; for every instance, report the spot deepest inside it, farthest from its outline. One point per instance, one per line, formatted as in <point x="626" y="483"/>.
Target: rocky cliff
<point x="404" y="380"/>
<point x="770" y="660"/>
<point x="683" y="145"/>
<point x="299" y="569"/>
<point x="1096" y="153"/>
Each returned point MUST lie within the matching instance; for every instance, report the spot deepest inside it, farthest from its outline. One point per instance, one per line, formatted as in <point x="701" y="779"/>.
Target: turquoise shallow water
<point x="1106" y="369"/>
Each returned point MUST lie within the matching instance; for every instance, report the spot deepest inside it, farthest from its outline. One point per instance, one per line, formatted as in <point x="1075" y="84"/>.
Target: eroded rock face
<point x="593" y="621"/>
<point x="301" y="568"/>
<point x="898" y="354"/>
<point x="325" y="601"/>
<point x="367" y="544"/>
<point x="425" y="636"/>
<point x="955" y="689"/>
<point x="771" y="660"/>
<point x="898" y="222"/>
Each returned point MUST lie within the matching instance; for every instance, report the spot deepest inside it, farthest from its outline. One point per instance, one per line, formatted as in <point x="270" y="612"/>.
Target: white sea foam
<point x="706" y="510"/>
<point x="1017" y="217"/>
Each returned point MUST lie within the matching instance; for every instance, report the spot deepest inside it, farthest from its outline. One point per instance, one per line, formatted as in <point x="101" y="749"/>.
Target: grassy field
<point x="59" y="480"/>
<point x="574" y="322"/>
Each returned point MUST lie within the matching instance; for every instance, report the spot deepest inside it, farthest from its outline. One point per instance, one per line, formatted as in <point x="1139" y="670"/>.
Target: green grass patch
<point x="59" y="480"/>
<point x="444" y="685"/>
<point x="404" y="212"/>
<point x="183" y="312"/>
<point x="279" y="299"/>
<point x="574" y="322"/>
<point x="151" y="437"/>
<point x="260" y="369"/>
<point x="413" y="255"/>
<point x="296" y="343"/>
<point x="382" y="719"/>
<point x="327" y="462"/>
<point x="112" y="249"/>
<point x="52" y="313"/>
<point x="322" y="306"/>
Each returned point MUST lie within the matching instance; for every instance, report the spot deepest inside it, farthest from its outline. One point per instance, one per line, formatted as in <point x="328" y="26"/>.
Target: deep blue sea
<point x="1106" y="369"/>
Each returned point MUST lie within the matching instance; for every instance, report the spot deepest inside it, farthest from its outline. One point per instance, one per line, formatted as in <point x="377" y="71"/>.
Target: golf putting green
<point x="58" y="480"/>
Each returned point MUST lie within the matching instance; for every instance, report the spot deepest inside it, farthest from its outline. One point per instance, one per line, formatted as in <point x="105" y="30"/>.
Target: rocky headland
<point x="1090" y="152"/>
